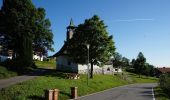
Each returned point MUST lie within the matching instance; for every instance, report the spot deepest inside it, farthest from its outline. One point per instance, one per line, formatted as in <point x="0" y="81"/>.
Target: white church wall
<point x="65" y="64"/>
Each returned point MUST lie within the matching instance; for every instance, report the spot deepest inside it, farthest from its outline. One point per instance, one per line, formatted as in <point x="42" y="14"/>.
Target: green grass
<point x="46" y="64"/>
<point x="160" y="94"/>
<point x="35" y="88"/>
<point x="142" y="79"/>
<point x="5" y="73"/>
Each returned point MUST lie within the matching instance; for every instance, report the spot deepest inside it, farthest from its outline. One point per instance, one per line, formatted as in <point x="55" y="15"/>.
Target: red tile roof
<point x="164" y="70"/>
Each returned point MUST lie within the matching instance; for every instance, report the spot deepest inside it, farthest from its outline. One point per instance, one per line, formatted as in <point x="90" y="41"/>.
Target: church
<point x="64" y="63"/>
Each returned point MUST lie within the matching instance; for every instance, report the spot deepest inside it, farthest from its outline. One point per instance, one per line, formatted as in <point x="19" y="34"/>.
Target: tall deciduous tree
<point x="24" y="25"/>
<point x="92" y="31"/>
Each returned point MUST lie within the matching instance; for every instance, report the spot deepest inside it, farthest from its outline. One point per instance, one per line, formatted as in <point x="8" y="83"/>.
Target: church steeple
<point x="71" y="25"/>
<point x="70" y="30"/>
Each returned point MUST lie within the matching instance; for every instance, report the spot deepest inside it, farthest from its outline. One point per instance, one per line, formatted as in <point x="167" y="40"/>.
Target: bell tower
<point x="70" y="30"/>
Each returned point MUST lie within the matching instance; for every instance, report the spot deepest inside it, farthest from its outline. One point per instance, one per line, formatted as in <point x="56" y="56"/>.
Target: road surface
<point x="17" y="79"/>
<point x="128" y="92"/>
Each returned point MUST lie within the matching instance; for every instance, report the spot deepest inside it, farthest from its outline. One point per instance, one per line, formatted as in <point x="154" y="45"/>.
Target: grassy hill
<point x="34" y="89"/>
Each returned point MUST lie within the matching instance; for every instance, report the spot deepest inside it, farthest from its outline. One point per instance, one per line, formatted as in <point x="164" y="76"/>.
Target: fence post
<point x="55" y="94"/>
<point x="74" y="92"/>
<point x="49" y="94"/>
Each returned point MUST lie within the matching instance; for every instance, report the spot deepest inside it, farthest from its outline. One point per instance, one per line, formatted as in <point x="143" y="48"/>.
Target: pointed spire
<point x="71" y="22"/>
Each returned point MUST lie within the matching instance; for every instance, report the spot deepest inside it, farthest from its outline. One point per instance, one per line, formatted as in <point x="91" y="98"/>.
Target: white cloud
<point x="133" y="20"/>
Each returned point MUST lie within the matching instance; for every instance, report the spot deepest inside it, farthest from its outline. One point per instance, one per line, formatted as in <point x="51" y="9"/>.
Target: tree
<point x="117" y="61"/>
<point x="125" y="62"/>
<point x="139" y="64"/>
<point x="133" y="62"/>
<point x="93" y="32"/>
<point x="25" y="27"/>
<point x="43" y="37"/>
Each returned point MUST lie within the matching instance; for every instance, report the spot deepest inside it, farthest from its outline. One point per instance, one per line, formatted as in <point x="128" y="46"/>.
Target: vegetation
<point x="5" y="73"/>
<point x="34" y="89"/>
<point x="143" y="79"/>
<point x="164" y="83"/>
<point x="24" y="29"/>
<point x="119" y="61"/>
<point x="141" y="67"/>
<point x="10" y="71"/>
<point x="160" y="94"/>
<point x="46" y="64"/>
<point x="139" y="64"/>
<point x="93" y="32"/>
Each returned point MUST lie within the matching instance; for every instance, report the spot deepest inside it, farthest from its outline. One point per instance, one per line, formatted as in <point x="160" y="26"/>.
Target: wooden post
<point x="49" y="94"/>
<point x="74" y="92"/>
<point x="55" y="94"/>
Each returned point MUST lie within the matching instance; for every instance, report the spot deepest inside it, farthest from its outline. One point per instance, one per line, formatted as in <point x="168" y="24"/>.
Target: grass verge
<point x="143" y="79"/>
<point x="160" y="94"/>
<point x="5" y="73"/>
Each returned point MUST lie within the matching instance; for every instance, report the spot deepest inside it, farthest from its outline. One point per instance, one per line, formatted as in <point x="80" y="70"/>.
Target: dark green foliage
<point x="25" y="56"/>
<point x="140" y="66"/>
<point x="164" y="82"/>
<point x="25" y="29"/>
<point x="93" y="32"/>
<point x="119" y="61"/>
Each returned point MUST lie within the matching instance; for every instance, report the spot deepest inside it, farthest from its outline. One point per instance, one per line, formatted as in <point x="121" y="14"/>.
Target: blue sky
<point x="137" y="25"/>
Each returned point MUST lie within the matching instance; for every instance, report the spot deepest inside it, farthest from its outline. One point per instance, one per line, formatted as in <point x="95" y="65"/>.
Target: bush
<point x="164" y="82"/>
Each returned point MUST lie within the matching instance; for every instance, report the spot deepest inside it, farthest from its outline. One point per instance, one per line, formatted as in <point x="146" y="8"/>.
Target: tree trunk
<point x="91" y="71"/>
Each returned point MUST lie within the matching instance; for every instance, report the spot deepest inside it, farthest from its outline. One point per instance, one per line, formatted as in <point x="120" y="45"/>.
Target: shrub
<point x="164" y="82"/>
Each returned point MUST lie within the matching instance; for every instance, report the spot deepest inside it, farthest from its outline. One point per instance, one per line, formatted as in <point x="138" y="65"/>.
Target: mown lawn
<point x="46" y="64"/>
<point x="142" y="79"/>
<point x="34" y="89"/>
<point x="5" y="73"/>
<point x="160" y="94"/>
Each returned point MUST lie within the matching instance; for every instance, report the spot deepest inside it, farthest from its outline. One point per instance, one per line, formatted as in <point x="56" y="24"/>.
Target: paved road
<point x="129" y="92"/>
<point x="17" y="79"/>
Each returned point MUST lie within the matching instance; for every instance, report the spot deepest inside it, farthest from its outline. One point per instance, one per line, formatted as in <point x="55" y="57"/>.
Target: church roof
<point x="62" y="51"/>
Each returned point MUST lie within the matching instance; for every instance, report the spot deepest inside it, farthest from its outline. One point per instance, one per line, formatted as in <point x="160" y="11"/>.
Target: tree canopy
<point x="25" y="27"/>
<point x="140" y="63"/>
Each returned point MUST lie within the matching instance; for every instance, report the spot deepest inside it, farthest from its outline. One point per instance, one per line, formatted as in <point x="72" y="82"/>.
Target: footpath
<point x="18" y="79"/>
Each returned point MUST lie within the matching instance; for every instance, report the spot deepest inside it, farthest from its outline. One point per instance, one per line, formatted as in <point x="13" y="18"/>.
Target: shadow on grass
<point x="64" y="93"/>
<point x="159" y="93"/>
<point x="52" y="73"/>
<point x="35" y="97"/>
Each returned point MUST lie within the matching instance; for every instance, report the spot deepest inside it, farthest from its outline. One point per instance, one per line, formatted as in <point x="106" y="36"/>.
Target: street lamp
<point x="88" y="46"/>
